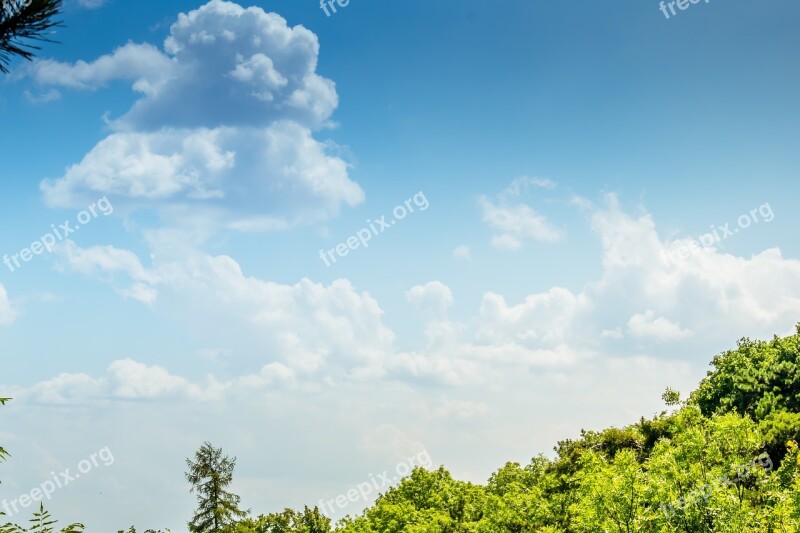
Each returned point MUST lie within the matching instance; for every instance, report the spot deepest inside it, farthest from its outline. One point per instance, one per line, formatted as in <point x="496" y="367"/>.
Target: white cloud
<point x="7" y="313"/>
<point x="214" y="354"/>
<point x="48" y="96"/>
<point x="91" y="4"/>
<point x="103" y="259"/>
<point x="462" y="252"/>
<point x="647" y="325"/>
<point x="460" y="409"/>
<point x="545" y="319"/>
<point x="717" y="293"/>
<point x="333" y="333"/>
<point x="66" y="388"/>
<point x="125" y="379"/>
<point x="514" y="224"/>
<point x="133" y="380"/>
<point x="612" y="333"/>
<point x="143" y="63"/>
<point x="140" y="292"/>
<point x="223" y="125"/>
<point x="520" y="186"/>
<point x="240" y="66"/>
<point x="280" y="170"/>
<point x="431" y="299"/>
<point x="307" y="325"/>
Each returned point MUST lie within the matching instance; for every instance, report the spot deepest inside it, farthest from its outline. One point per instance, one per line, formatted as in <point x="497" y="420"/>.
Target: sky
<point x="332" y="244"/>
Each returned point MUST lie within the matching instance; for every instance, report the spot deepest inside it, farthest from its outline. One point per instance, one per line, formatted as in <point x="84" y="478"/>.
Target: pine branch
<point x="25" y="20"/>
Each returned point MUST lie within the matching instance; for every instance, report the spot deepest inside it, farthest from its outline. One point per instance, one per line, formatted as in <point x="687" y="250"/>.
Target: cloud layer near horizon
<point x="335" y="334"/>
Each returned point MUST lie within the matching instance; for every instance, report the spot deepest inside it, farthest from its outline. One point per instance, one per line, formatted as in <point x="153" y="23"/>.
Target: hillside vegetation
<point x="726" y="459"/>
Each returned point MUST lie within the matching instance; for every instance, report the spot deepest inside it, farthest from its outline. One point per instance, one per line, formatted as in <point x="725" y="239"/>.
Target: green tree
<point x="515" y="499"/>
<point x="288" y="521"/>
<point x="671" y="397"/>
<point x="210" y="474"/>
<point x="41" y="522"/>
<point x="424" y="502"/>
<point x="22" y="21"/>
<point x="613" y="496"/>
<point x="762" y="380"/>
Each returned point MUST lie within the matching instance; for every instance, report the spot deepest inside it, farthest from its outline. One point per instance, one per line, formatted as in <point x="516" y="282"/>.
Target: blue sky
<point x="562" y="150"/>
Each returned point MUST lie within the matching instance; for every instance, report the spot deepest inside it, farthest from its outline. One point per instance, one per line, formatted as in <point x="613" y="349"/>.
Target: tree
<point x="289" y="521"/>
<point x="671" y="397"/>
<point x="423" y="502"/>
<point x="22" y="21"/>
<point x="209" y="474"/>
<point x="41" y="522"/>
<point x="759" y="379"/>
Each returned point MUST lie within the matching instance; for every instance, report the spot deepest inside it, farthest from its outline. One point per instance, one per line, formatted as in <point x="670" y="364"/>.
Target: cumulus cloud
<point x="7" y="313"/>
<point x="306" y="325"/>
<point x="103" y="259"/>
<point x="514" y="224"/>
<point x="66" y="388"/>
<point x="431" y="299"/>
<point x="224" y="123"/>
<point x="331" y="333"/>
<point x="715" y="292"/>
<point x="125" y="379"/>
<point x="142" y="63"/>
<point x="648" y="325"/>
<point x="133" y="380"/>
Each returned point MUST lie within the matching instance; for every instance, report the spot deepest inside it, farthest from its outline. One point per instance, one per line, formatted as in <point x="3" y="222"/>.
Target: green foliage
<point x="289" y="521"/>
<point x="756" y="379"/>
<point x="671" y="397"/>
<point x="423" y="502"/>
<point x="41" y="522"/>
<point x="210" y="474"/>
<point x="761" y="380"/>
<point x="22" y="21"/>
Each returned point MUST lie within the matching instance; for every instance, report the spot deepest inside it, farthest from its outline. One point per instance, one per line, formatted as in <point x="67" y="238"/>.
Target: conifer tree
<point x="210" y="474"/>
